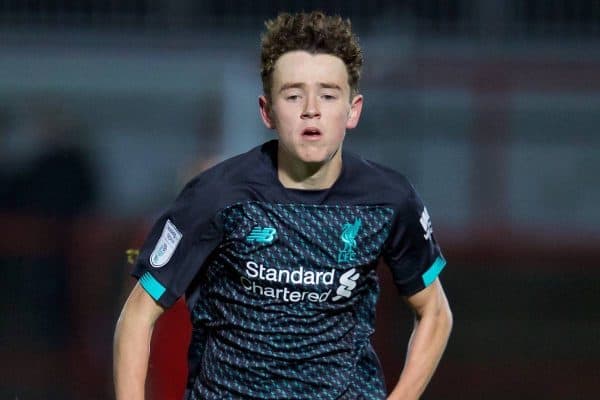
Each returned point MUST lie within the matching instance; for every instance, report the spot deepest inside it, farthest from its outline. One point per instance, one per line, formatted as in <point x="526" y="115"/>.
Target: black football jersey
<point x="281" y="283"/>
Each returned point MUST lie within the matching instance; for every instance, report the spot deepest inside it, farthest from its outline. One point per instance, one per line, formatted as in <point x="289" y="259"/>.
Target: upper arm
<point x="178" y="244"/>
<point x="412" y="252"/>
<point x="431" y="300"/>
<point x="141" y="306"/>
<point x="132" y="339"/>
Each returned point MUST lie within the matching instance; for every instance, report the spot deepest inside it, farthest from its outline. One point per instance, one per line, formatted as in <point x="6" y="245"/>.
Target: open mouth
<point x="311" y="132"/>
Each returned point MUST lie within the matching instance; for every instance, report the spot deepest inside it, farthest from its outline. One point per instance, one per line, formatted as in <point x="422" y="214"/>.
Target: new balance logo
<point x="261" y="235"/>
<point x="347" y="284"/>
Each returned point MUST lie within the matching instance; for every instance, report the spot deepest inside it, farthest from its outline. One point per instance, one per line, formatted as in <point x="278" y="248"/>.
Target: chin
<point x="320" y="157"/>
<point x="314" y="161"/>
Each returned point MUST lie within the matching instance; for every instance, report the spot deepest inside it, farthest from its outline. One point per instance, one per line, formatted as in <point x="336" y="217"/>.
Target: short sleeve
<point x="411" y="252"/>
<point x="179" y="243"/>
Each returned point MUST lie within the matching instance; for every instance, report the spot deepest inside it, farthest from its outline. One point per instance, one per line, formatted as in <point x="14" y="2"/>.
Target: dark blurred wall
<point x="490" y="108"/>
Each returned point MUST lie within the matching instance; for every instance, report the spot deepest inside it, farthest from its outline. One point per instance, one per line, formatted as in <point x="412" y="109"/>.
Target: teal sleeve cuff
<point x="432" y="272"/>
<point x="154" y="288"/>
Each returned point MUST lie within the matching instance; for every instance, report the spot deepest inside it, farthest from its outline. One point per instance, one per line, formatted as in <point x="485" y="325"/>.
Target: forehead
<point x="308" y="68"/>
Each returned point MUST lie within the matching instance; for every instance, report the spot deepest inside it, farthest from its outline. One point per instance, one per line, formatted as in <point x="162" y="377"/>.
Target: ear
<point x="265" y="112"/>
<point x="355" y="110"/>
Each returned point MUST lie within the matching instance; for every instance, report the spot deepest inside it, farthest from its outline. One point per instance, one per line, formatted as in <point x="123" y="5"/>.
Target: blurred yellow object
<point x="132" y="255"/>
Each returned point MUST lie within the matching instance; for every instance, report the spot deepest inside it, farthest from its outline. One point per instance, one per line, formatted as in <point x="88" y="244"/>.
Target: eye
<point x="292" y="97"/>
<point x="328" y="97"/>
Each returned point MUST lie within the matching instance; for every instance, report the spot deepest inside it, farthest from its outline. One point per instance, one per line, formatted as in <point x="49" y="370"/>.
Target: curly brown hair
<point x="315" y="33"/>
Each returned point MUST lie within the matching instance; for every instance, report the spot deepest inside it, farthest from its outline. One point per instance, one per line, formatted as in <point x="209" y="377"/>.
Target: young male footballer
<point x="275" y="250"/>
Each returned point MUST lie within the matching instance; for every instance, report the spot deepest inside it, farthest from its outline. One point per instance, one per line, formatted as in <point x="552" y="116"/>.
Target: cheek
<point x="341" y="119"/>
<point x="285" y="122"/>
<point x="286" y="125"/>
<point x="284" y="114"/>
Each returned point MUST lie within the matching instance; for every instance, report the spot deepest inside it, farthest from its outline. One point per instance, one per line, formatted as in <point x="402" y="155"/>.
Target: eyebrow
<point x="299" y="85"/>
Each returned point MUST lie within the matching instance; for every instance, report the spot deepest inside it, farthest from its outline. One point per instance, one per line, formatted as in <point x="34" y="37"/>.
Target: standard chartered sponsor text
<point x="258" y="278"/>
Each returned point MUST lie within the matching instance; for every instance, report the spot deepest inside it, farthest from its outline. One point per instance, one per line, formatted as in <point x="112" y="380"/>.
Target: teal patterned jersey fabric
<point x="282" y="284"/>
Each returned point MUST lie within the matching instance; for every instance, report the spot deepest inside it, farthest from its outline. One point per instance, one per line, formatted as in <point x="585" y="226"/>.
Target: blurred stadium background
<point x="492" y="108"/>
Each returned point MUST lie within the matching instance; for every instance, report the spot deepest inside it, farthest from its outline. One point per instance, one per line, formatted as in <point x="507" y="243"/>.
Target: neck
<point x="295" y="174"/>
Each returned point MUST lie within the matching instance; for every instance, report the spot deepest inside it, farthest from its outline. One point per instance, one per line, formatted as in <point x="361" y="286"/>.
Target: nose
<point x="311" y="108"/>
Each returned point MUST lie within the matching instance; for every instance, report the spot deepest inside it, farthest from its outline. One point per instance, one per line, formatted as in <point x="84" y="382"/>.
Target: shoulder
<point x="379" y="181"/>
<point x="229" y="180"/>
<point x="229" y="169"/>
